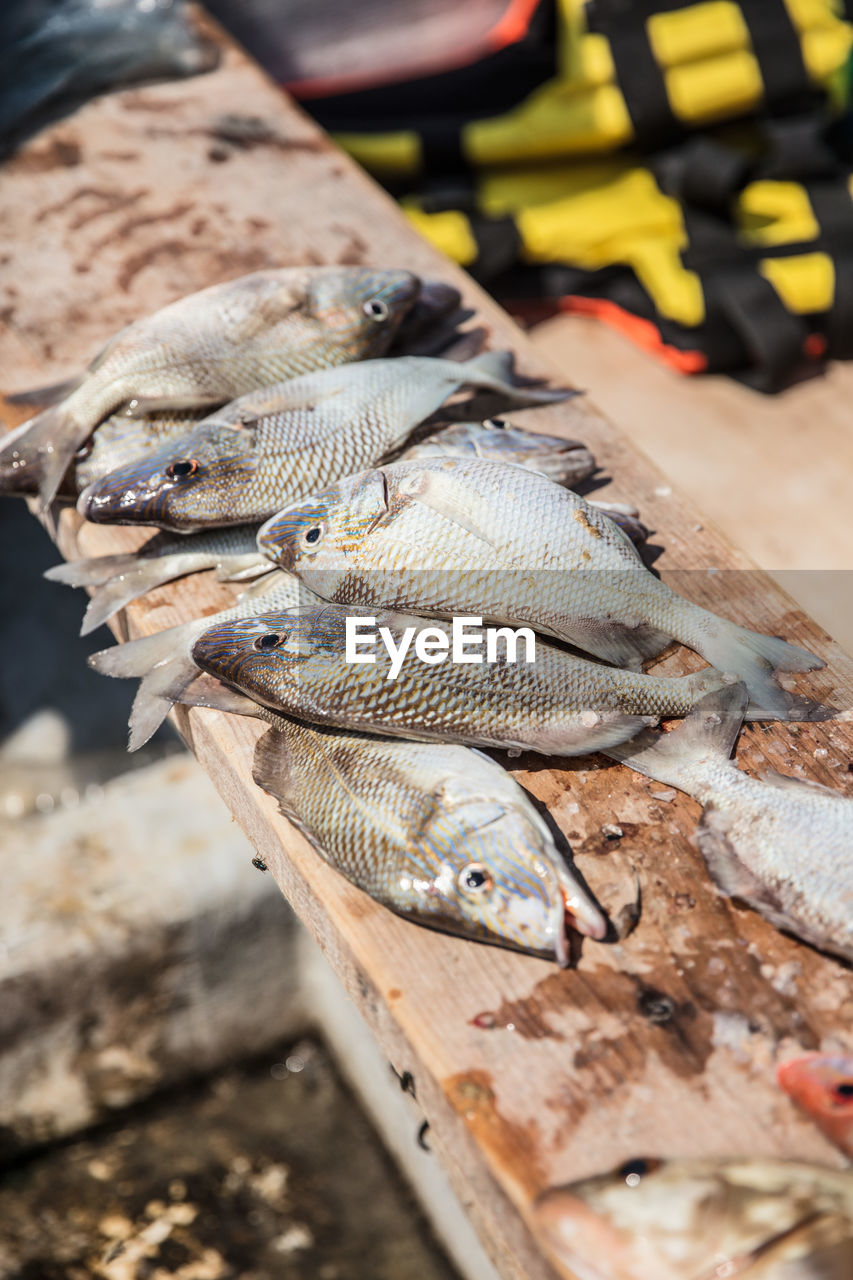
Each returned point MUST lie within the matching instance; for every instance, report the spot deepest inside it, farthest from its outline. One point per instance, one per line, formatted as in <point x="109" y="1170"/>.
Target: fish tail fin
<point x="139" y="657"/>
<point x="755" y="659"/>
<point x="493" y="370"/>
<point x="44" y="449"/>
<point x="708" y="734"/>
<point x="92" y="571"/>
<point x="157" y="693"/>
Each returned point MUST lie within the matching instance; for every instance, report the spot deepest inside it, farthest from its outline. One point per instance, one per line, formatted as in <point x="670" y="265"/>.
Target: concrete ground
<point x="265" y="1172"/>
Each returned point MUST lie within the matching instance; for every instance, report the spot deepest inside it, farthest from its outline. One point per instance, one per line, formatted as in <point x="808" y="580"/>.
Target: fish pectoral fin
<point x="41" y="397"/>
<point x="141" y="406"/>
<point x="206" y="691"/>
<point x="430" y="494"/>
<point x="730" y="875"/>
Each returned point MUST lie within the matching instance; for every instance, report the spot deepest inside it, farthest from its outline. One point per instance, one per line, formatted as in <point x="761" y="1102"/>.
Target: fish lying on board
<point x="822" y="1085"/>
<point x="440" y="834"/>
<point x="118" y="579"/>
<point x="445" y="536"/>
<point x="211" y="346"/>
<point x="268" y="448"/>
<point x="566" y="462"/>
<point x="738" y="1219"/>
<point x="294" y="661"/>
<point x="122" y="437"/>
<point x="781" y="844"/>
<point x="163" y="662"/>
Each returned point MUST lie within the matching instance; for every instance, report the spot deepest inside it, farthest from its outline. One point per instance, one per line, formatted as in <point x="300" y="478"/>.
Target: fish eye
<point x="182" y="470"/>
<point x="270" y="640"/>
<point x="634" y="1170"/>
<point x="312" y="535"/>
<point x="376" y="309"/>
<point x="844" y="1091"/>
<point x="475" y="878"/>
<point x="500" y="424"/>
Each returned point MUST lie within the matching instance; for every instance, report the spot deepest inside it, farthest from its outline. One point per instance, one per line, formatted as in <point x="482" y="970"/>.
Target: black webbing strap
<point x="839" y="324"/>
<point x="702" y="172"/>
<point x="833" y="208"/>
<point x="637" y="71"/>
<point x="774" y="338"/>
<point x="776" y="45"/>
<point x="498" y="244"/>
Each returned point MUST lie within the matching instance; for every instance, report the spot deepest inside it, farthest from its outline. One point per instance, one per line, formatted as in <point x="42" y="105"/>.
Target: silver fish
<point x="444" y="537"/>
<point x="163" y="662"/>
<point x="211" y="346"/>
<point x="738" y="1219"/>
<point x="781" y="844"/>
<point x="118" y="579"/>
<point x="269" y="447"/>
<point x="439" y="834"/>
<point x="294" y="661"/>
<point x="565" y="462"/>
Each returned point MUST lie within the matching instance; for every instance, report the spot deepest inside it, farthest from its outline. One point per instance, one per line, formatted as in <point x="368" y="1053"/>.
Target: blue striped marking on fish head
<point x="262" y="655"/>
<point x="489" y="870"/>
<point x="318" y="530"/>
<point x="361" y="309"/>
<point x="196" y="482"/>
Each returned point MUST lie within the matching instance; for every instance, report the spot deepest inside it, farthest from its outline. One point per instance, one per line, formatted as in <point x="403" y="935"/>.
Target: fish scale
<point x="470" y="536"/>
<point x="213" y="345"/>
<point x="747" y="1219"/>
<point x="266" y="448"/>
<point x="559" y="703"/>
<point x="779" y="843"/>
<point x="407" y="822"/>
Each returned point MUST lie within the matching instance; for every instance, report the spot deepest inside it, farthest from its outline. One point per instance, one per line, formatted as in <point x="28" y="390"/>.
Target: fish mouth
<point x="578" y="915"/>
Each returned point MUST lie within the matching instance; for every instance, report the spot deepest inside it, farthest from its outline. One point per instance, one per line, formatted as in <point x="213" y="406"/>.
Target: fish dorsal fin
<point x="784" y="782"/>
<point x="709" y="732"/>
<point x="426" y="488"/>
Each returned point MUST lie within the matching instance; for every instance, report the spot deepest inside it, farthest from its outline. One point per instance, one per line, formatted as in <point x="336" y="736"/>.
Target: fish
<point x="267" y="448"/>
<point x="446" y="536"/>
<point x="209" y="347"/>
<point x="66" y="51"/>
<point x="295" y="661"/>
<point x="120" y="578"/>
<point x="566" y="462"/>
<point x="163" y="662"/>
<point x="778" y="843"/>
<point x="738" y="1219"/>
<point x="822" y="1085"/>
<point x="440" y="834"/>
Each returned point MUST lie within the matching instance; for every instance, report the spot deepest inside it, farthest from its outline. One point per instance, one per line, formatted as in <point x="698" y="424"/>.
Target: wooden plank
<point x="663" y="1044"/>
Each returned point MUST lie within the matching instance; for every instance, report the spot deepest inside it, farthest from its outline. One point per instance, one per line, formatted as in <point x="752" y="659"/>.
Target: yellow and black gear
<point x="677" y="168"/>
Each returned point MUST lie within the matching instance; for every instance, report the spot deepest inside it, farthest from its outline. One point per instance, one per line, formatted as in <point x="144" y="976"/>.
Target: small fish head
<point x="191" y="483"/>
<point x="488" y="870"/>
<point x="263" y="655"/>
<point x="320" y="531"/>
<point x="822" y="1084"/>
<point x="361" y="310"/>
<point x="648" y="1218"/>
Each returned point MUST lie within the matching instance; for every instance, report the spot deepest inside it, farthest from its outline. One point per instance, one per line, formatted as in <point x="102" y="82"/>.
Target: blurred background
<point x="661" y="193"/>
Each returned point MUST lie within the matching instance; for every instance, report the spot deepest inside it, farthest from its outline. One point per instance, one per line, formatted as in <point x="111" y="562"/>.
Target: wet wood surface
<point x="663" y="1044"/>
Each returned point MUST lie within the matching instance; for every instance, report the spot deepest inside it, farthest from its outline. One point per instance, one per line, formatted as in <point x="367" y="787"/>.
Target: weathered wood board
<point x="663" y="1044"/>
